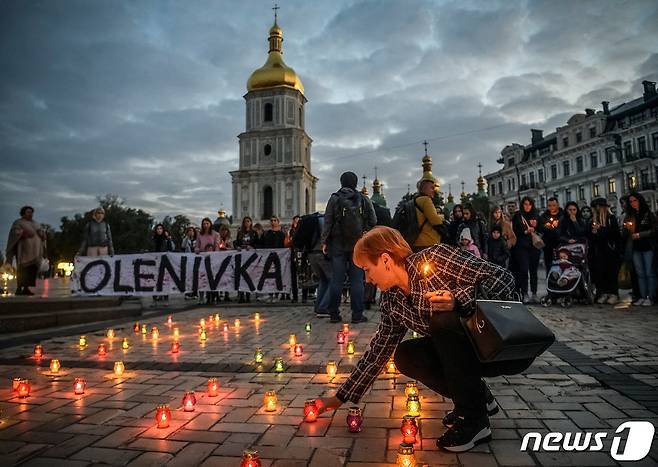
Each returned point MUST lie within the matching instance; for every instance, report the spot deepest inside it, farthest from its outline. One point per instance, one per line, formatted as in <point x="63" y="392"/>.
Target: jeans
<point x="341" y="263"/>
<point x="446" y="363"/>
<point x="321" y="268"/>
<point x="646" y="276"/>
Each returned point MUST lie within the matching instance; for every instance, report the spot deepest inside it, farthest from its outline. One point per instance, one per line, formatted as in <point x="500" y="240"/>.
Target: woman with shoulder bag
<point x="526" y="251"/>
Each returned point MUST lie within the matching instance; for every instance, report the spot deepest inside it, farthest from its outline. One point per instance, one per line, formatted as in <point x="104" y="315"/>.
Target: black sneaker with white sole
<point x="465" y="434"/>
<point x="492" y="409"/>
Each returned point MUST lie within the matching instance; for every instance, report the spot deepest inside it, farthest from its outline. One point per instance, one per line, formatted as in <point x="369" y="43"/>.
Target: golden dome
<point x="275" y="72"/>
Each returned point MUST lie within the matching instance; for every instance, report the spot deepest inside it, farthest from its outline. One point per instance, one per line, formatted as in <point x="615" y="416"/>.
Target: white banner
<point x="266" y="271"/>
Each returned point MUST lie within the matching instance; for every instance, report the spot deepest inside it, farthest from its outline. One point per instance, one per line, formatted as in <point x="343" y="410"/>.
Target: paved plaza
<point x="601" y="372"/>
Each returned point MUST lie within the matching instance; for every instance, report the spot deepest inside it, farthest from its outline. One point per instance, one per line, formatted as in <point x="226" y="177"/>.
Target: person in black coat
<point x="572" y="227"/>
<point x="604" y="256"/>
<point x="526" y="257"/>
<point x="455" y="225"/>
<point x="549" y="228"/>
<point x="497" y="246"/>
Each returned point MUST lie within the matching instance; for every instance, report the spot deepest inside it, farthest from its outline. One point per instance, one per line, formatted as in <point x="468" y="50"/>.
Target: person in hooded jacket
<point x="347" y="216"/>
<point x="497" y="247"/>
<point x="526" y="257"/>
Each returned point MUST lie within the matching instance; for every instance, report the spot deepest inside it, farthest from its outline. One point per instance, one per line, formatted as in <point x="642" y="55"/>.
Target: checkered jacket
<point x="450" y="268"/>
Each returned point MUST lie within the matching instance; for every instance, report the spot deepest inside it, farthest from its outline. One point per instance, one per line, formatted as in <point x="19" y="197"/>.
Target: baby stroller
<point x="569" y="278"/>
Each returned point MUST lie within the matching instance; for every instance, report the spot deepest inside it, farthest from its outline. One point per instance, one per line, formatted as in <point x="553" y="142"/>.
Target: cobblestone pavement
<point x="600" y="373"/>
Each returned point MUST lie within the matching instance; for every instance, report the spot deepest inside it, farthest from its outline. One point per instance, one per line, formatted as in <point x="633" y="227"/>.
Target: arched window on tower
<point x="267" y="113"/>
<point x="268" y="202"/>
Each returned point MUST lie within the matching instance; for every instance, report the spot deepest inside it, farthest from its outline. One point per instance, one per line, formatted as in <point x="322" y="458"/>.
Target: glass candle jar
<point x="354" y="420"/>
<point x="175" y="347"/>
<point x="406" y="456"/>
<point x="23" y="389"/>
<point x="213" y="387"/>
<point x="79" y="386"/>
<point x="299" y="350"/>
<point x="409" y="429"/>
<point x="332" y="368"/>
<point x="258" y="355"/>
<point x="310" y="410"/>
<point x="102" y="350"/>
<point x="125" y="344"/>
<point x="38" y="351"/>
<point x="278" y="365"/>
<point x="54" y="366"/>
<point x="350" y="348"/>
<point x="269" y="401"/>
<point x="340" y="337"/>
<point x="118" y="368"/>
<point x="189" y="401"/>
<point x="250" y="459"/>
<point x="413" y="405"/>
<point x="163" y="416"/>
<point x="411" y="389"/>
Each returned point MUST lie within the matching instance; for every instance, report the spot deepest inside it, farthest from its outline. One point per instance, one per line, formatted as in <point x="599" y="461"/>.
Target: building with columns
<point x="274" y="175"/>
<point x="605" y="153"/>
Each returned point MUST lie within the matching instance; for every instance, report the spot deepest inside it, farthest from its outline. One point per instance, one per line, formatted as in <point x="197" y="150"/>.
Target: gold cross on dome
<point x="275" y="8"/>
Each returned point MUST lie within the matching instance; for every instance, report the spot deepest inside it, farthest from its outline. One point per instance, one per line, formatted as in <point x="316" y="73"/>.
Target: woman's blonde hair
<point x="381" y="240"/>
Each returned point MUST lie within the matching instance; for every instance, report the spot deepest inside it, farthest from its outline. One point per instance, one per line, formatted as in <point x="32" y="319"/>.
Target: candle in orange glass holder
<point x="23" y="389"/>
<point x="350" y="348"/>
<point x="110" y="333"/>
<point x="203" y="336"/>
<point x="269" y="401"/>
<point x="250" y="459"/>
<point x="411" y="389"/>
<point x="292" y="340"/>
<point x="124" y="344"/>
<point x="136" y="328"/>
<point x="118" y="368"/>
<point x="154" y="332"/>
<point x="79" y="386"/>
<point x="346" y="328"/>
<point x="213" y="387"/>
<point x="340" y="337"/>
<point x="54" y="366"/>
<point x="14" y="383"/>
<point x="236" y="323"/>
<point x="310" y="410"/>
<point x="332" y="368"/>
<point x="406" y="456"/>
<point x="299" y="350"/>
<point x="176" y="333"/>
<point x="175" y="347"/>
<point x="391" y="369"/>
<point x="189" y="401"/>
<point x="102" y="349"/>
<point x="163" y="415"/>
<point x="38" y="351"/>
<point x="409" y="429"/>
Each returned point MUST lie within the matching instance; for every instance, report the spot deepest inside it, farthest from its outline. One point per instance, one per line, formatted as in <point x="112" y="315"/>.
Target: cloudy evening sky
<point x="144" y="98"/>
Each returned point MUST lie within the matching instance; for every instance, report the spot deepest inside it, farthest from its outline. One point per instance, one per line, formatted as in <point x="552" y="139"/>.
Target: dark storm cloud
<point x="144" y="99"/>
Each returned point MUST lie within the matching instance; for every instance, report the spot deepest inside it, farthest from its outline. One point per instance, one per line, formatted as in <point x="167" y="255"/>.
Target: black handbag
<point x="505" y="330"/>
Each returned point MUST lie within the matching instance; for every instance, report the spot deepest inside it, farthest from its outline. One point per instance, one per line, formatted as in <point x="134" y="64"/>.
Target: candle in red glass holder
<point x="175" y="347"/>
<point x="38" y="351"/>
<point x="189" y="401"/>
<point x="163" y="416"/>
<point x="14" y="383"/>
<point x="102" y="349"/>
<point x="340" y="337"/>
<point x="409" y="429"/>
<point x="299" y="350"/>
<point x="79" y="386"/>
<point x="250" y="459"/>
<point x="136" y="328"/>
<point x="310" y="410"/>
<point x="354" y="420"/>
<point x="23" y="388"/>
<point x="213" y="387"/>
<point x="346" y="328"/>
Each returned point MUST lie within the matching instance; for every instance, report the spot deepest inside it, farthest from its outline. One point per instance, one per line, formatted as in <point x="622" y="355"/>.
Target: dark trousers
<point x="527" y="261"/>
<point x="446" y="363"/>
<point x="26" y="276"/>
<point x="605" y="273"/>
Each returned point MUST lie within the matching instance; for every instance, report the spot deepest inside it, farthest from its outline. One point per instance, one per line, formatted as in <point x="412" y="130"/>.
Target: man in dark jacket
<point x="497" y="246"/>
<point x="549" y="228"/>
<point x="347" y="216"/>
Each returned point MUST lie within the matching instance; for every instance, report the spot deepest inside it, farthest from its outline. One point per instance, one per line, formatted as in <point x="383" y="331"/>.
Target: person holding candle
<point x="604" y="252"/>
<point x="640" y="228"/>
<point x="549" y="226"/>
<point x="208" y="240"/>
<point x="524" y="254"/>
<point x="428" y="292"/>
<point x="572" y="227"/>
<point x="246" y="239"/>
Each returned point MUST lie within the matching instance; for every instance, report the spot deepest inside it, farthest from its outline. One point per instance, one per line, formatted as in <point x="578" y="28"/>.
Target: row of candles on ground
<point x="406" y="457"/>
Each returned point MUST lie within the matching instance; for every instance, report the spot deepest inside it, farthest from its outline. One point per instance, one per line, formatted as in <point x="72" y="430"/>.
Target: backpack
<point x="406" y="222"/>
<point x="349" y="218"/>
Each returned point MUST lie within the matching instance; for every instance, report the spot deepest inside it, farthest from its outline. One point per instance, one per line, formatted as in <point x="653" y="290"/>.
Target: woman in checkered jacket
<point x="428" y="292"/>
